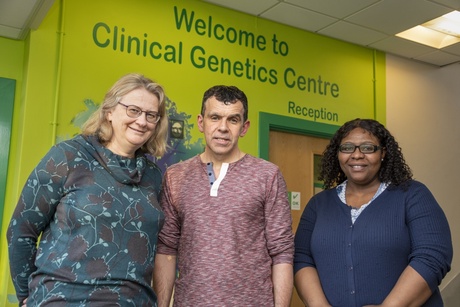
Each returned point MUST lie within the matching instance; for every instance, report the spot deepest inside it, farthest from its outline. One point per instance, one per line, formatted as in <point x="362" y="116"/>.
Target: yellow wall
<point x="82" y="48"/>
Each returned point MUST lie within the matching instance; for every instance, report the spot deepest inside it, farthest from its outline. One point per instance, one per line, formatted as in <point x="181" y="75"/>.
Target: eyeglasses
<point x="135" y="112"/>
<point x="364" y="148"/>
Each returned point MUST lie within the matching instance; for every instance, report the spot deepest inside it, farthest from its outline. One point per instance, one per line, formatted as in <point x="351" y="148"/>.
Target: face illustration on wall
<point x="176" y="129"/>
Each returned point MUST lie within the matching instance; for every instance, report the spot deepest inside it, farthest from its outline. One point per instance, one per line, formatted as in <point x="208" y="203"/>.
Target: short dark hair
<point x="393" y="170"/>
<point x="227" y="95"/>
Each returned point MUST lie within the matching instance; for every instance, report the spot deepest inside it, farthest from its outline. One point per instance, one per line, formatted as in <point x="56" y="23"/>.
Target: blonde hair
<point x="99" y="125"/>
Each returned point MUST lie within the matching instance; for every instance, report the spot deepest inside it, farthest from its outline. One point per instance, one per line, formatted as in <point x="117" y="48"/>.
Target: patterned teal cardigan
<point x="98" y="217"/>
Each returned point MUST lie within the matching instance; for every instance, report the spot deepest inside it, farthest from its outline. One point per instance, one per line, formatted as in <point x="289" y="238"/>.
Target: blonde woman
<point x="94" y="201"/>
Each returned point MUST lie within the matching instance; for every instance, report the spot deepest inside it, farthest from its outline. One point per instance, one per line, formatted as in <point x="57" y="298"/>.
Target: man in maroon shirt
<point x="227" y="219"/>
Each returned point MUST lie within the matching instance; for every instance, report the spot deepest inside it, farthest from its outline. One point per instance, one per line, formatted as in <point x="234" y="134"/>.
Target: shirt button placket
<point x="350" y="271"/>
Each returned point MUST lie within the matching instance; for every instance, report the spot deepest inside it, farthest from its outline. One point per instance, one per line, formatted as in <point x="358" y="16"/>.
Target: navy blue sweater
<point x="358" y="264"/>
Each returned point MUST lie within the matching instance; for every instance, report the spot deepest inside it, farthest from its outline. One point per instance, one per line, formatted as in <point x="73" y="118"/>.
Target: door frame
<point x="269" y="121"/>
<point x="7" y="94"/>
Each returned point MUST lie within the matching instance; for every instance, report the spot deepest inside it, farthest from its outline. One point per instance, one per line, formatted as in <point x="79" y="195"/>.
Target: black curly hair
<point x="393" y="170"/>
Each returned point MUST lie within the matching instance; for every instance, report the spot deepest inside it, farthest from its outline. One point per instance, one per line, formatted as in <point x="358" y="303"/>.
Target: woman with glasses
<point x="93" y="200"/>
<point x="374" y="236"/>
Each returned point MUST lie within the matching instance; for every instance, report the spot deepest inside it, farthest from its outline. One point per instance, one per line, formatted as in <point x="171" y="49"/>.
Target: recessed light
<point x="437" y="33"/>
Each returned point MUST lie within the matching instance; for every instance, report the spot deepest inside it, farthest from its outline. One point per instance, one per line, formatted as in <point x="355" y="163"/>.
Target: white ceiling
<point x="17" y="17"/>
<point x="370" y="23"/>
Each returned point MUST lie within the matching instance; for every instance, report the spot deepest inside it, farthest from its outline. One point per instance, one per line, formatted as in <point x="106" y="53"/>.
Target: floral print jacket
<point x="98" y="217"/>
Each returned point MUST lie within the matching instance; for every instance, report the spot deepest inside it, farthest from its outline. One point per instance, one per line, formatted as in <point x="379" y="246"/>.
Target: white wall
<point x="423" y="113"/>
